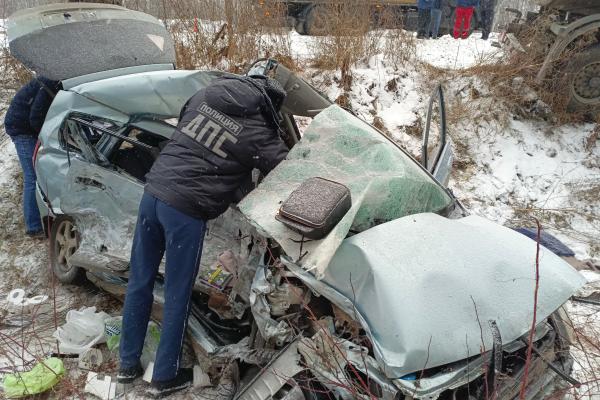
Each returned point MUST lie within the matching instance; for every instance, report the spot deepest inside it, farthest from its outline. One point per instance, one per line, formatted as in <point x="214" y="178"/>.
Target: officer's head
<point x="275" y="92"/>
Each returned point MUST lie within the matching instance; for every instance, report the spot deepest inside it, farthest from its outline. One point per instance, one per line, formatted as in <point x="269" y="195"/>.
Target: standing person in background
<point x="436" y="19"/>
<point x="464" y="13"/>
<point x="424" y="18"/>
<point x="23" y="122"/>
<point x="487" y="9"/>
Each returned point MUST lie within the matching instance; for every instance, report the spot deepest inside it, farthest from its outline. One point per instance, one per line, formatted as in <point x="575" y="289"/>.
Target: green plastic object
<point x="44" y="376"/>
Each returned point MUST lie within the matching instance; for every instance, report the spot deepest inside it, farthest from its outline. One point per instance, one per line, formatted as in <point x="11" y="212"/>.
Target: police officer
<point x="225" y="131"/>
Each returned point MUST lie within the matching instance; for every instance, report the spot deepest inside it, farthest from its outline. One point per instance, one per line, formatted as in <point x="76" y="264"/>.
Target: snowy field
<point x="506" y="164"/>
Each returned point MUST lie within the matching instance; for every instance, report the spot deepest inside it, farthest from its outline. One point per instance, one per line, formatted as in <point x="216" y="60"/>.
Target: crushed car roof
<point x="155" y="93"/>
<point x="62" y="41"/>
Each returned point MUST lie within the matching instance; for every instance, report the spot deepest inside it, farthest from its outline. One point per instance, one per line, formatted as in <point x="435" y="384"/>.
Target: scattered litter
<point x="82" y="330"/>
<point x="20" y="309"/>
<point x="43" y="376"/>
<point x="112" y="330"/>
<point x="148" y="372"/>
<point x="91" y="359"/>
<point x="201" y="378"/>
<point x="101" y="387"/>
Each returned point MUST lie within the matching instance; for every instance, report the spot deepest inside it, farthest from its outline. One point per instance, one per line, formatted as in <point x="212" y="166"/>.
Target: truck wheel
<point x="64" y="241"/>
<point x="315" y="22"/>
<point x="583" y="77"/>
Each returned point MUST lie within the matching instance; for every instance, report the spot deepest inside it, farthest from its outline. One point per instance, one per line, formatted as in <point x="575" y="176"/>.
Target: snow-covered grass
<point x="508" y="169"/>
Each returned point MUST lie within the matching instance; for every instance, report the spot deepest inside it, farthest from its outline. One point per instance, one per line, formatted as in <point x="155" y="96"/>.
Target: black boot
<point x="183" y="380"/>
<point x="128" y="375"/>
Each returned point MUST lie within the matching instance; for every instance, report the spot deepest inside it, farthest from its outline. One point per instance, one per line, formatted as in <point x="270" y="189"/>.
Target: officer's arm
<point x="271" y="150"/>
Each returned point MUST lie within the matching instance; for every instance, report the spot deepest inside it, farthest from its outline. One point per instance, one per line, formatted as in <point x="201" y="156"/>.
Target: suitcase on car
<point x="315" y="207"/>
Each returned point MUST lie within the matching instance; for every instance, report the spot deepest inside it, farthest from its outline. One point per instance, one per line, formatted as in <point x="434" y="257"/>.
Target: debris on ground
<point x="83" y="329"/>
<point x="42" y="377"/>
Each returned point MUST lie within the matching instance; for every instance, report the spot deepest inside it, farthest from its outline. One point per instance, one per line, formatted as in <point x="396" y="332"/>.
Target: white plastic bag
<point x="83" y="329"/>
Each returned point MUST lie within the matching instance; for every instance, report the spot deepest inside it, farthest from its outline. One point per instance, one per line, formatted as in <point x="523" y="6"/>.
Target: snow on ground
<point x="505" y="164"/>
<point x="449" y="53"/>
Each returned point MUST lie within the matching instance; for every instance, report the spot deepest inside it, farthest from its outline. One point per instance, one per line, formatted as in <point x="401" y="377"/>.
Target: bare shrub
<point x="400" y="46"/>
<point x="228" y="35"/>
<point x="13" y="73"/>
<point x="348" y="38"/>
<point x="514" y="78"/>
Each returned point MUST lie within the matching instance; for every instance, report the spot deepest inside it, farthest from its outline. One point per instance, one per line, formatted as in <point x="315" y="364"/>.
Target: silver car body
<point x="423" y="279"/>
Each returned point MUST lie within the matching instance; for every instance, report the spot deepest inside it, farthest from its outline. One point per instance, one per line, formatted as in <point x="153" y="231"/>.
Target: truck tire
<point x="64" y="241"/>
<point x="315" y="21"/>
<point x="583" y="79"/>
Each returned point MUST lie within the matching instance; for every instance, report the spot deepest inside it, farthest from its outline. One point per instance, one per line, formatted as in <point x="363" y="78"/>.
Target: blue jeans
<point x="436" y="19"/>
<point x="160" y="228"/>
<point x="25" y="145"/>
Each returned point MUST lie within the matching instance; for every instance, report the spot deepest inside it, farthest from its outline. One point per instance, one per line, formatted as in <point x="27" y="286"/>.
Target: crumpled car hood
<point x="427" y="287"/>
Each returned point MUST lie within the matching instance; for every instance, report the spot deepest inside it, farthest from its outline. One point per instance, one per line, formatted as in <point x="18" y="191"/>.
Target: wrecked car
<point x="407" y="297"/>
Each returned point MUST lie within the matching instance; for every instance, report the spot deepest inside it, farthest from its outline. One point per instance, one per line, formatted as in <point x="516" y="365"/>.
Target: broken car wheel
<point x="64" y="241"/>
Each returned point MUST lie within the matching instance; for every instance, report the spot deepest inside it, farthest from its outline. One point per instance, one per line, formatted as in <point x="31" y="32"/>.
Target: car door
<point x="436" y="151"/>
<point x="101" y="199"/>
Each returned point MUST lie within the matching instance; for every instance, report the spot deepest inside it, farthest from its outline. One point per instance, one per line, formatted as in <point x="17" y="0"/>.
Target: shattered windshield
<point x="385" y="184"/>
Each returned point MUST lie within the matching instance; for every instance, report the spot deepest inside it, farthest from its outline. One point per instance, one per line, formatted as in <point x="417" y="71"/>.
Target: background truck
<point x="574" y="25"/>
<point x="310" y="17"/>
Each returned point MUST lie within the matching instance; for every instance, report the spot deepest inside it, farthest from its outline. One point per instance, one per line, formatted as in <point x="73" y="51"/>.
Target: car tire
<point x="583" y="79"/>
<point x="64" y="241"/>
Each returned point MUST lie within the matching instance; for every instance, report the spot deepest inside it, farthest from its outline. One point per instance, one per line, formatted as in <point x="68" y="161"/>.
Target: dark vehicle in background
<point x="572" y="24"/>
<point x="310" y="17"/>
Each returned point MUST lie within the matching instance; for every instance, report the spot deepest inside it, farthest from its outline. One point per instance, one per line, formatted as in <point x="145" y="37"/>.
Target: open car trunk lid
<point x="62" y="41"/>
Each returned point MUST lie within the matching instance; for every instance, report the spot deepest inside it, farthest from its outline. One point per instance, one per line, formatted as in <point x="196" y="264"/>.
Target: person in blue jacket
<point x="486" y="11"/>
<point x="464" y="13"/>
<point x="424" y="18"/>
<point x="23" y="122"/>
<point x="436" y="19"/>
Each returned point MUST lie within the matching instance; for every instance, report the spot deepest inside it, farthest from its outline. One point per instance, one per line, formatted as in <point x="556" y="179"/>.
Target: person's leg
<point x="146" y="253"/>
<point x="427" y="22"/>
<point x="436" y="19"/>
<point x="467" y="17"/>
<point x="486" y="23"/>
<point x="422" y="23"/>
<point x="25" y="146"/>
<point x="185" y="236"/>
<point x="458" y="21"/>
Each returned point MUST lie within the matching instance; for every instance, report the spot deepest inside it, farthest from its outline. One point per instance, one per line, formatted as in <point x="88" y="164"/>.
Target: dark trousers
<point x="436" y="19"/>
<point x="160" y="228"/>
<point x="424" y="20"/>
<point x="487" y="20"/>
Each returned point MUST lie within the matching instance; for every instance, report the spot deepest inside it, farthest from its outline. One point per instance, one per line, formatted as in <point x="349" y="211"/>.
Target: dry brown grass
<point x="228" y="37"/>
<point x="513" y="79"/>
